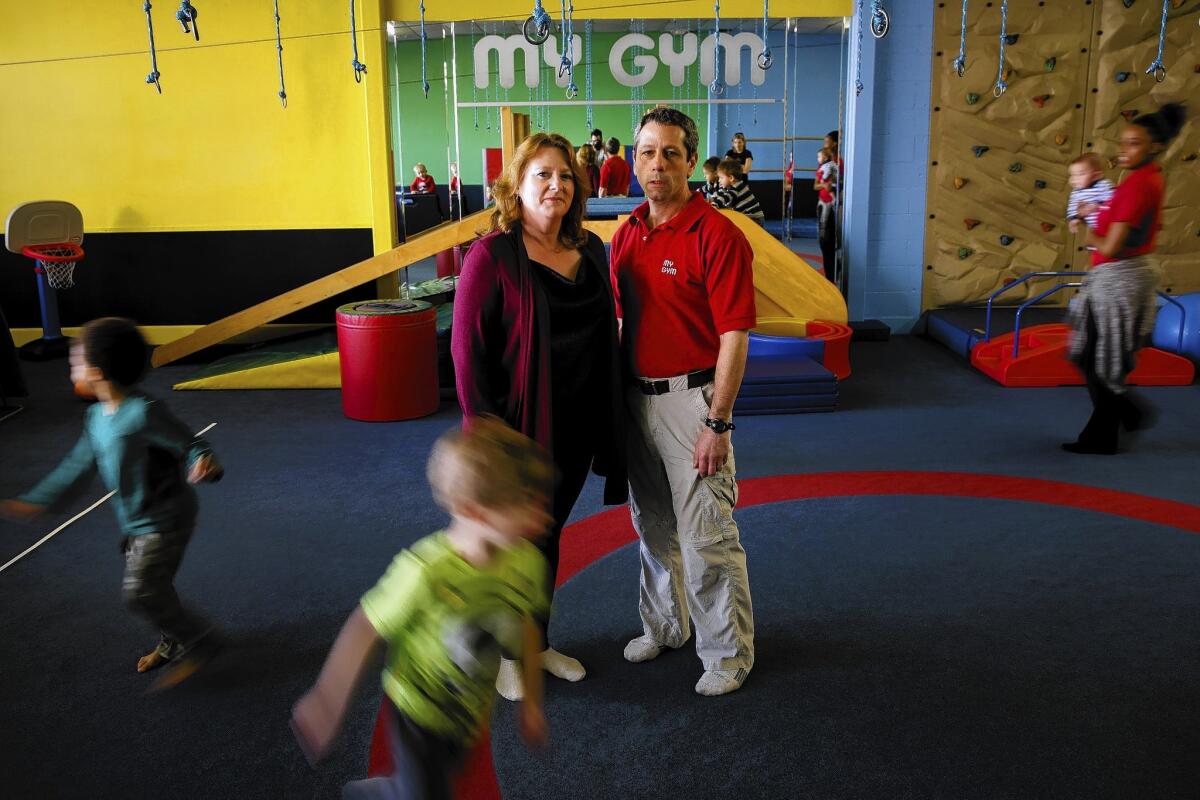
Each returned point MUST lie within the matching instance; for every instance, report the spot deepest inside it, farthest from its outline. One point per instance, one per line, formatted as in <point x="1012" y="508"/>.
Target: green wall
<point x="422" y="129"/>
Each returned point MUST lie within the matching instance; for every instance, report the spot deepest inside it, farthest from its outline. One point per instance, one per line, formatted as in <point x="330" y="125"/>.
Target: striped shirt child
<point x="738" y="197"/>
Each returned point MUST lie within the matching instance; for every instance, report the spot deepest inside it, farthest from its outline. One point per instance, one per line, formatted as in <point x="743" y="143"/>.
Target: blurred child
<point x="458" y="204"/>
<point x="585" y="157"/>
<point x="711" y="184"/>
<point x="735" y="191"/>
<point x="1089" y="189"/>
<point x="446" y="611"/>
<point x="141" y="451"/>
<point x="826" y="183"/>
<point x="423" y="183"/>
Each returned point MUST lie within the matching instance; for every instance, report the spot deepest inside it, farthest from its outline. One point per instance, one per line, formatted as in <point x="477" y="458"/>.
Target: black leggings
<point x="573" y="463"/>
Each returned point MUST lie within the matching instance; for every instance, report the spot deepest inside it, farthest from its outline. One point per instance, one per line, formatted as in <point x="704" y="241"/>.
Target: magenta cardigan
<point x="500" y="341"/>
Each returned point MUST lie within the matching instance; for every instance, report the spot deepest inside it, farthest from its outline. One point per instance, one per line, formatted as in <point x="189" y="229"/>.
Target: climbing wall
<point x="998" y="187"/>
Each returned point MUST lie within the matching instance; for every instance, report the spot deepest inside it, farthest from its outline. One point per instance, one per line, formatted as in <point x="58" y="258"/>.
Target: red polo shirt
<point x="681" y="285"/>
<point x="1138" y="203"/>
<point x="614" y="176"/>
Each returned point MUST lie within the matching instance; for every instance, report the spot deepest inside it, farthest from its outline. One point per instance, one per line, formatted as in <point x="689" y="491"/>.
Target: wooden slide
<point x="784" y="285"/>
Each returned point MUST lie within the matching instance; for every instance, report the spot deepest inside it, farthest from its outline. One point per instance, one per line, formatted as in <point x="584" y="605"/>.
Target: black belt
<point x="694" y="380"/>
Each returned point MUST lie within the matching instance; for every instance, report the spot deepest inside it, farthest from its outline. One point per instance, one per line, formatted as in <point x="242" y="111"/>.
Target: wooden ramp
<point x="785" y="286"/>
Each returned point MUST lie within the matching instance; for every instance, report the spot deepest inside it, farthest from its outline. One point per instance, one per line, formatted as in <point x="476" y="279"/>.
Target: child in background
<point x="446" y="611"/>
<point x="1089" y="190"/>
<point x="458" y="204"/>
<point x="141" y="452"/>
<point x="423" y="183"/>
<point x="735" y="191"/>
<point x="826" y="183"/>
<point x="711" y="184"/>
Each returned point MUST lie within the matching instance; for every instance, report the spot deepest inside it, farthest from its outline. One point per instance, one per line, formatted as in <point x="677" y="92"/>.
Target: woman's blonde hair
<point x="507" y="214"/>
<point x="586" y="155"/>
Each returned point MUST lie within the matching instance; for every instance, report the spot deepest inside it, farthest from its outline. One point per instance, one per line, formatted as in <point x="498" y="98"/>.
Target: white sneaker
<point x="560" y="666"/>
<point x="716" y="682"/>
<point x="509" y="683"/>
<point x="643" y="648"/>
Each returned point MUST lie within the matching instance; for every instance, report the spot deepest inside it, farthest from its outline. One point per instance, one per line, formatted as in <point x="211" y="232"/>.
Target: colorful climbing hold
<point x="1047" y="227"/>
<point x="979" y="150"/>
<point x="1051" y="63"/>
<point x="964" y="253"/>
<point x="1039" y="184"/>
<point x="1011" y="39"/>
<point x="1122" y="77"/>
<point x="1060" y="139"/>
<point x="1005" y="239"/>
<point x="970" y="223"/>
<point x="960" y="182"/>
<point x="972" y="98"/>
<point x="1129" y="114"/>
<point x="1040" y="100"/>
<point x="1015" y="167"/>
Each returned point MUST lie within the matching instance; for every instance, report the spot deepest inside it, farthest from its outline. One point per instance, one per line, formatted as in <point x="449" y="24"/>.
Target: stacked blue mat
<point x="785" y="384"/>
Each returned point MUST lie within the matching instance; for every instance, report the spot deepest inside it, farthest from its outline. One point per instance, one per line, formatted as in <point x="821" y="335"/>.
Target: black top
<point x="741" y="157"/>
<point x="579" y="327"/>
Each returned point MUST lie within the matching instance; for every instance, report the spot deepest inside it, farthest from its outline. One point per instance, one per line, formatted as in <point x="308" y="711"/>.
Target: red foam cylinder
<point x="388" y="354"/>
<point x="836" y="336"/>
<point x="449" y="262"/>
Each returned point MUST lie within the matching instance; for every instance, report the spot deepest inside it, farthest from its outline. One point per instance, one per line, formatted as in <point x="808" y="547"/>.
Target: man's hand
<point x="205" y="470"/>
<point x="1077" y="225"/>
<point x="19" y="510"/>
<point x="711" y="451"/>
<point x="1086" y="209"/>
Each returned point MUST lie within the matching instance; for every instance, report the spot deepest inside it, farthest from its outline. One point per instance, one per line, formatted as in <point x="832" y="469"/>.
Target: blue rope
<point x="765" y="58"/>
<point x="359" y="67"/>
<point x="587" y="71"/>
<point x="187" y="14"/>
<point x="1156" y="68"/>
<point x="717" y="87"/>
<point x="960" y="63"/>
<point x="154" y="73"/>
<point x="1002" y="86"/>
<point x="567" y="66"/>
<point x="279" y="52"/>
<point x="424" y="73"/>
<point x="858" y="84"/>
<point x="879" y="20"/>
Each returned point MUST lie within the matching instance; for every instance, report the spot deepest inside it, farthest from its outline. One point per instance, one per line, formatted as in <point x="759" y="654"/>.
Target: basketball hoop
<point x="56" y="262"/>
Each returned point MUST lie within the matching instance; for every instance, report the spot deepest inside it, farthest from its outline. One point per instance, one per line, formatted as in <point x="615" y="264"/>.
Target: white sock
<point x="509" y="683"/>
<point x="560" y="666"/>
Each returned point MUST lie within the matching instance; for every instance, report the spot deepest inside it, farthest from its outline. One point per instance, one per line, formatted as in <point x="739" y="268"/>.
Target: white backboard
<point x="43" y="222"/>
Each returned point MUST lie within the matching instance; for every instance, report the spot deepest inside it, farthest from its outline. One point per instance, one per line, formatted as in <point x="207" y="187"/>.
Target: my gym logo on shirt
<point x="668" y="267"/>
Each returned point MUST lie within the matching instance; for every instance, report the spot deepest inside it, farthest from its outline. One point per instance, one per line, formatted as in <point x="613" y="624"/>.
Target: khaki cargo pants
<point x="693" y="566"/>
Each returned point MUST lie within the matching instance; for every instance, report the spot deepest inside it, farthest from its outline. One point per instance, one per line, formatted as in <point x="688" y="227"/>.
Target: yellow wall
<point x="214" y="151"/>
<point x="666" y="9"/>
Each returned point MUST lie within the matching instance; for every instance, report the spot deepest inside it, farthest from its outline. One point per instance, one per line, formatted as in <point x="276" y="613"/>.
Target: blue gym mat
<point x="785" y="368"/>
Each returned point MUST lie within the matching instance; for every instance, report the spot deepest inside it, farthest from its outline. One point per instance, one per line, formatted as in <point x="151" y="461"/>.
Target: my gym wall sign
<point x="645" y="65"/>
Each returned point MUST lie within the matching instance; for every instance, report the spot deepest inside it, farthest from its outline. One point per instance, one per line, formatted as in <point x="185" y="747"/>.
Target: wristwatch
<point x="718" y="425"/>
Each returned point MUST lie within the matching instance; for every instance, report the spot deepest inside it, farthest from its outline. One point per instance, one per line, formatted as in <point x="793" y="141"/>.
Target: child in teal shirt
<point x="446" y="611"/>
<point x="140" y="451"/>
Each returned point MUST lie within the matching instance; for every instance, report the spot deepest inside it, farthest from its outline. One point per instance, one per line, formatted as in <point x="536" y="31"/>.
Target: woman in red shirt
<point x="1114" y="311"/>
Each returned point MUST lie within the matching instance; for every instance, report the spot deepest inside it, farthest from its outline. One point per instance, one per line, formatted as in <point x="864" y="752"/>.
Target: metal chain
<point x="587" y="71"/>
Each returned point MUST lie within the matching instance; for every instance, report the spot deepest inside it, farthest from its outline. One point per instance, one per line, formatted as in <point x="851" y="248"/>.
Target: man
<point x="683" y="272"/>
<point x="597" y="143"/>
<point x="614" y="172"/>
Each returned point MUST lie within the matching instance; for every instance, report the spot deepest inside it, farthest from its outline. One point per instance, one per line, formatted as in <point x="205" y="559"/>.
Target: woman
<point x="534" y="339"/>
<point x="585" y="157"/>
<point x="1114" y="311"/>
<point x="740" y="154"/>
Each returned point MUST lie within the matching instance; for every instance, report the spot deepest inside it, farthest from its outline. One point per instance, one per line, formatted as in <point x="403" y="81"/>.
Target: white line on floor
<point x="75" y="518"/>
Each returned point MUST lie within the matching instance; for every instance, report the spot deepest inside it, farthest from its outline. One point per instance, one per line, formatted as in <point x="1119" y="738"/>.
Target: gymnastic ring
<point x="765" y="59"/>
<point x="535" y="33"/>
<point x="880" y="23"/>
<point x="1160" y="73"/>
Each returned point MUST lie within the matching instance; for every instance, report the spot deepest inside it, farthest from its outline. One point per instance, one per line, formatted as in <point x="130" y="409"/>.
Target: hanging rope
<point x="1156" y="68"/>
<point x="1001" y="85"/>
<point x="587" y="71"/>
<point x="187" y="16"/>
<point x="765" y="58"/>
<point x="154" y="73"/>
<point x="566" y="65"/>
<point x="474" y="88"/>
<point x="880" y="22"/>
<point x="359" y="67"/>
<point x="424" y="69"/>
<point x="537" y="28"/>
<point x="717" y="87"/>
<point x="279" y="52"/>
<point x="858" y="84"/>
<point x="960" y="63"/>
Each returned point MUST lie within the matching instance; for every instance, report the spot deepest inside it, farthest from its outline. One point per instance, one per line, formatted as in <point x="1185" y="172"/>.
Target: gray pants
<point x="692" y="561"/>
<point x="151" y="561"/>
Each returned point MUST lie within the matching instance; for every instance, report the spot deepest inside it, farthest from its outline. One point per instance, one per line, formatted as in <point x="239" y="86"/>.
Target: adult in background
<point x="614" y="172"/>
<point x="534" y="341"/>
<point x="740" y="154"/>
<point x="1114" y="311"/>
<point x="597" y="143"/>
<point x="683" y="273"/>
<point x="585" y="157"/>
